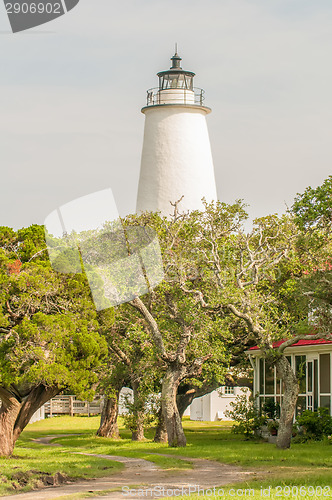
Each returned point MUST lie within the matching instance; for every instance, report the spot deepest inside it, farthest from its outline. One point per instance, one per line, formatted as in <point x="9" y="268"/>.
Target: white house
<point x="213" y="406"/>
<point x="38" y="415"/>
<point x="311" y="361"/>
<point x="126" y="396"/>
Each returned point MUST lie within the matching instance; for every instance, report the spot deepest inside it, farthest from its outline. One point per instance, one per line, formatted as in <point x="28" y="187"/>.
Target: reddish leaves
<point x="15" y="267"/>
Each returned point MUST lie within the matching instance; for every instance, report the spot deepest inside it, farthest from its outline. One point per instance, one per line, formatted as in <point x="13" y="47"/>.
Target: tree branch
<point x="154" y="329"/>
<point x="297" y="338"/>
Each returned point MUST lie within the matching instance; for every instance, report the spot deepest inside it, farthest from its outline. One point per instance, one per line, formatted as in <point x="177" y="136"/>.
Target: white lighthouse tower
<point x="176" y="157"/>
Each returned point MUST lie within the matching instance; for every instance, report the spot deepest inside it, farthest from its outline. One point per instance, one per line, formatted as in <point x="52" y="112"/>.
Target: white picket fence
<point x="69" y="405"/>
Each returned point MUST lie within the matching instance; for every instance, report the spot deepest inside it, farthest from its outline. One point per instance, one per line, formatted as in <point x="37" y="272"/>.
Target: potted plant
<point x="273" y="426"/>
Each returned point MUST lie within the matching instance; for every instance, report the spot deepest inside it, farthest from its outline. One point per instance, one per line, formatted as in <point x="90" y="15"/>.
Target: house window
<point x="228" y="391"/>
<point x="314" y="376"/>
<point x="269" y="378"/>
<point x="309" y="372"/>
<point x="325" y="402"/>
<point x="271" y="386"/>
<point x="324" y="373"/>
<point x="300" y="405"/>
<point x="315" y="384"/>
<point x="300" y="370"/>
<point x="261" y="376"/>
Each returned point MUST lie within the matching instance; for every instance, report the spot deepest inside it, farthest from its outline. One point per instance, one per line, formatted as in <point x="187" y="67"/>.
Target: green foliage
<point x="173" y="305"/>
<point x="270" y="408"/>
<point x="313" y="208"/>
<point x="315" y="424"/>
<point x="272" y="426"/>
<point x="246" y="416"/>
<point x="143" y="410"/>
<point x="312" y="212"/>
<point x="48" y="323"/>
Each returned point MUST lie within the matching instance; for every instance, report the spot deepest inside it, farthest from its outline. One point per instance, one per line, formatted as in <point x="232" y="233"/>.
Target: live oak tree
<point x="254" y="277"/>
<point x="114" y="377"/>
<point x="214" y="270"/>
<point x="184" y="343"/>
<point x="312" y="210"/>
<point x="49" y="338"/>
<point x="184" y="335"/>
<point x="110" y="386"/>
<point x="132" y="362"/>
<point x="132" y="352"/>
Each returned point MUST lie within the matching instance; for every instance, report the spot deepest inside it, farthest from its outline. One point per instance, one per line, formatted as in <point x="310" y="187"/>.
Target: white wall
<point x="176" y="159"/>
<point x="187" y="412"/>
<point x="125" y="393"/>
<point x="38" y="415"/>
<point x="213" y="406"/>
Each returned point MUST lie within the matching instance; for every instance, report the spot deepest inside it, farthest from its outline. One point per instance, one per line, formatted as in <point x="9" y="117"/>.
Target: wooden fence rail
<point x="69" y="405"/>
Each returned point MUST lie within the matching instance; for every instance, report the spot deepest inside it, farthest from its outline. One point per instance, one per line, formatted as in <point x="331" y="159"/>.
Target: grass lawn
<point x="34" y="464"/>
<point x="303" y="465"/>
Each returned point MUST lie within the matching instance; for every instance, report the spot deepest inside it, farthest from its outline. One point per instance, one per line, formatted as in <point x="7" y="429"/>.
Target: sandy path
<point x="139" y="473"/>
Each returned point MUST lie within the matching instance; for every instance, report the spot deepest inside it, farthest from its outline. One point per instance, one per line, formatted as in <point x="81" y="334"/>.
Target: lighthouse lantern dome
<point x="176" y="77"/>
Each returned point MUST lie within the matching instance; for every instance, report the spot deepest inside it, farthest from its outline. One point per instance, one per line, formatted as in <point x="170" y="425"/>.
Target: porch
<point x="311" y="361"/>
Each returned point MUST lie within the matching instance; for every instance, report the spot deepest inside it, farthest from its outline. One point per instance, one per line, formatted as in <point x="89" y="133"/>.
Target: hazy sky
<point x="72" y="90"/>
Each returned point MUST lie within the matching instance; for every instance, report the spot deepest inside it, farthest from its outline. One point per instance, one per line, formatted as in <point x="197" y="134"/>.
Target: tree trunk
<point x="291" y="390"/>
<point x="16" y="412"/>
<point x="170" y="410"/>
<point x="37" y="397"/>
<point x="184" y="400"/>
<point x="9" y="411"/>
<point x="161" y="431"/>
<point x="109" y="417"/>
<point x="138" y="433"/>
<point x="138" y="411"/>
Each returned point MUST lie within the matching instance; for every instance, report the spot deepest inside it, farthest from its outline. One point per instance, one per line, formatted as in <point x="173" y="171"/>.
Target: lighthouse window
<point x="189" y="82"/>
<point x="181" y="82"/>
<point x="176" y="81"/>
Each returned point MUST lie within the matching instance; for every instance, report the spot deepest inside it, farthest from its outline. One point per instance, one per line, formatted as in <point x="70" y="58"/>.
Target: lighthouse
<point x="176" y="157"/>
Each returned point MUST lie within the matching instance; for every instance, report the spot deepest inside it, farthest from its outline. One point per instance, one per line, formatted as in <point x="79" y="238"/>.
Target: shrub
<point x="143" y="410"/>
<point x="246" y="416"/>
<point x="315" y="424"/>
<point x="270" y="408"/>
<point x="273" y="426"/>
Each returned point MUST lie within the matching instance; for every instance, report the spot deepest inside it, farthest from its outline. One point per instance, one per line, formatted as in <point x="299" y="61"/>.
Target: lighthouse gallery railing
<point x="157" y="96"/>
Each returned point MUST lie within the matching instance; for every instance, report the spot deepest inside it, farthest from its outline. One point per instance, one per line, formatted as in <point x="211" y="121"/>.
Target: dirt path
<point x="139" y="473"/>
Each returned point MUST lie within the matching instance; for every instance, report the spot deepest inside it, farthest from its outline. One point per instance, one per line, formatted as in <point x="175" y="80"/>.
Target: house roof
<point x="299" y="343"/>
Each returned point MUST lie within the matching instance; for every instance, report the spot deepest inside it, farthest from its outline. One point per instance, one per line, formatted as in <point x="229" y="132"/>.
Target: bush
<point x="271" y="408"/>
<point x="143" y="410"/>
<point x="315" y="424"/>
<point x="246" y="416"/>
<point x="273" y="427"/>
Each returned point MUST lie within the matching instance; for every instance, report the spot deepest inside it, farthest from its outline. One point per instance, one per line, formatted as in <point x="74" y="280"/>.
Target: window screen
<point x="324" y="373"/>
<point x="300" y="370"/>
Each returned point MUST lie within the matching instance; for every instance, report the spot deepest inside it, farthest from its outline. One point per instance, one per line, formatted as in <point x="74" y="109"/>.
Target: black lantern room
<point x="176" y="77"/>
